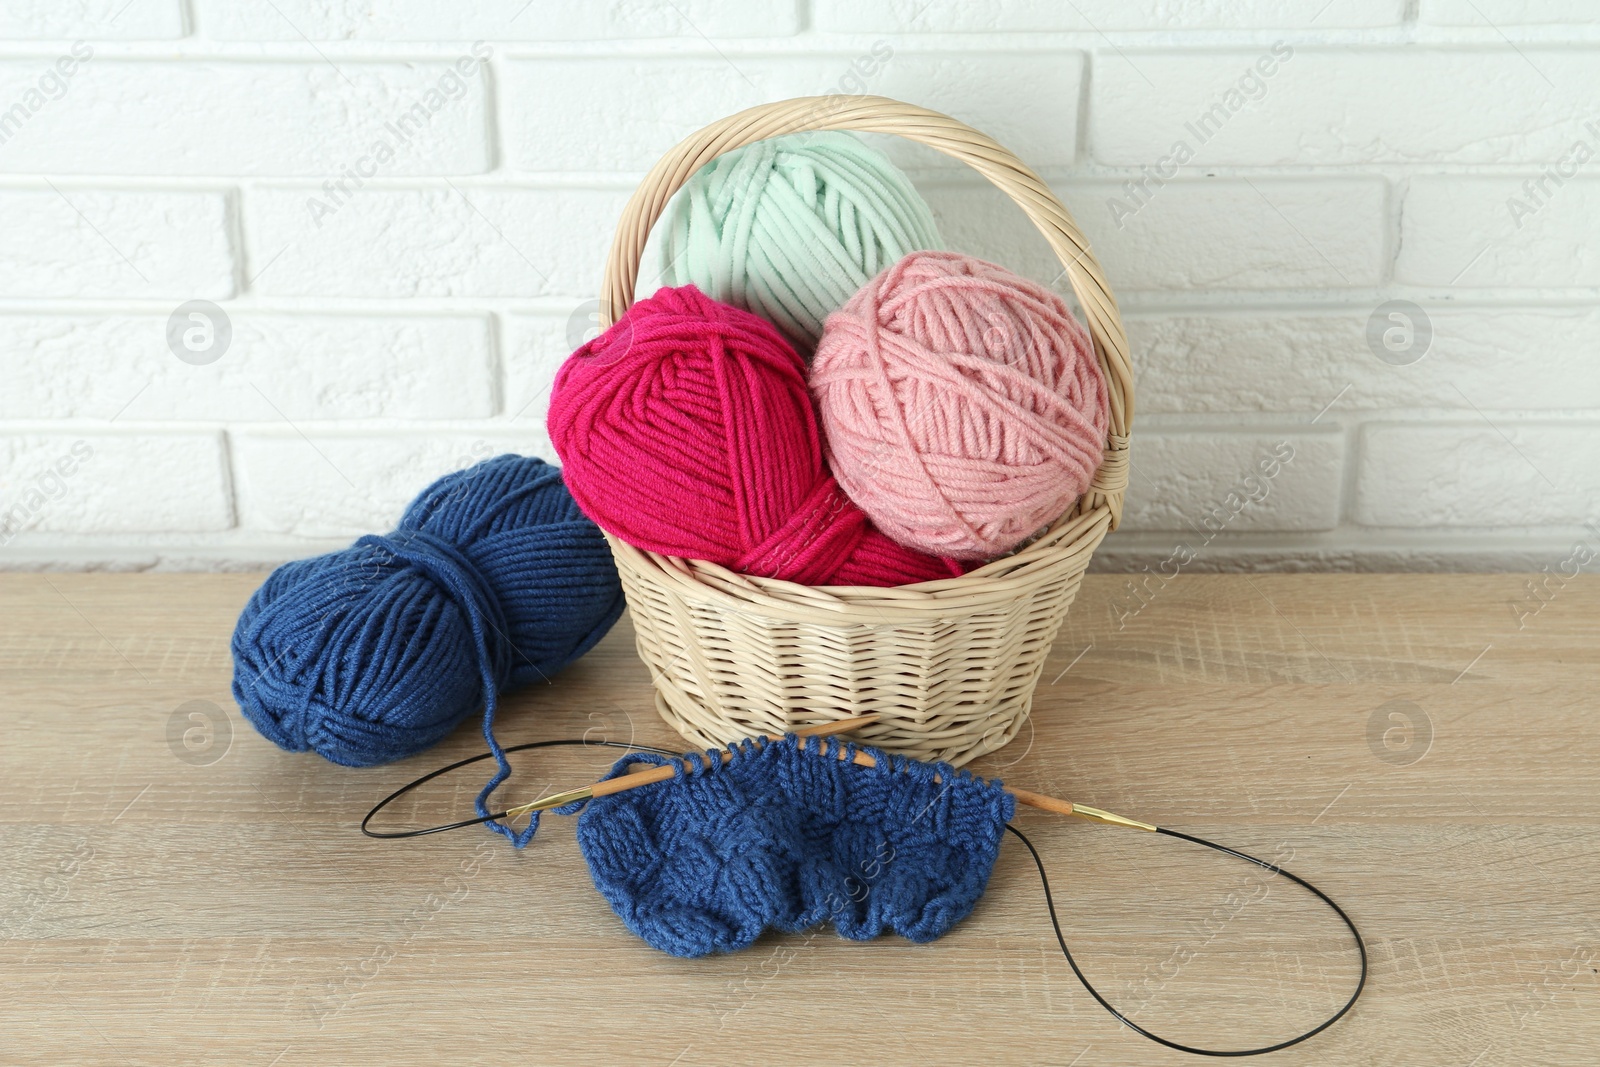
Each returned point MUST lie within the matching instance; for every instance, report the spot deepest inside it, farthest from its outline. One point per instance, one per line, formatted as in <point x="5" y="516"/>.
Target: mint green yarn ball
<point x="791" y="227"/>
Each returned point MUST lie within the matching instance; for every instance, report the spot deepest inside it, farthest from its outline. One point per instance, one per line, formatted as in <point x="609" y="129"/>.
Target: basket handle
<point x="878" y="114"/>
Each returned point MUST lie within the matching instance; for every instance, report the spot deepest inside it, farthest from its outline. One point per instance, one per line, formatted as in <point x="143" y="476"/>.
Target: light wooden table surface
<point x="163" y="904"/>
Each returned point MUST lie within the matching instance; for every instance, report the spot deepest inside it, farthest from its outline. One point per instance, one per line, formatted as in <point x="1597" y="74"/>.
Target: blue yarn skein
<point x="492" y="580"/>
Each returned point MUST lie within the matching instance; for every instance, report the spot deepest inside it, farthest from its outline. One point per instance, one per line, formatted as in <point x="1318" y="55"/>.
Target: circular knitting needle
<point x="668" y="771"/>
<point x="697" y="761"/>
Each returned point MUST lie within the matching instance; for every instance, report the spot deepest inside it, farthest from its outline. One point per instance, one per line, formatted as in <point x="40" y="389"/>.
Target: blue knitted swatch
<point x="788" y="837"/>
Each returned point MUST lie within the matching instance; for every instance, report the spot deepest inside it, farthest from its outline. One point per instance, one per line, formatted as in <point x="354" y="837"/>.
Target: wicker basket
<point x="950" y="665"/>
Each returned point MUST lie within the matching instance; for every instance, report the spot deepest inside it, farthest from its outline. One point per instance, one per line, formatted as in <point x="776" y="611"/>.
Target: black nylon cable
<point x="1061" y="939"/>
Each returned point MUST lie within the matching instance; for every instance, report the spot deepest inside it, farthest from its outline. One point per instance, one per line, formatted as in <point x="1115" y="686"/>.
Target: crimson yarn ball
<point x="686" y="429"/>
<point x="962" y="405"/>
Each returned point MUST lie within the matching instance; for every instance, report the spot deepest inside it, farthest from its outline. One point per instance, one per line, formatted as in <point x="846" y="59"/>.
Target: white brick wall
<point x="647" y="104"/>
<point x="212" y="117"/>
<point x="305" y="367"/>
<point x="64" y="240"/>
<point x="402" y="210"/>
<point x="465" y="240"/>
<point x="1322" y="107"/>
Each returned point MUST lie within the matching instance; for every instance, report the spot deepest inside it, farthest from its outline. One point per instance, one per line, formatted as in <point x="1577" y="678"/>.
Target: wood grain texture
<point x="164" y="904"/>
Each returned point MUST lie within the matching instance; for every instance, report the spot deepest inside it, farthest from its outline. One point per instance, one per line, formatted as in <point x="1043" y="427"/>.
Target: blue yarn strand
<point x="464" y="586"/>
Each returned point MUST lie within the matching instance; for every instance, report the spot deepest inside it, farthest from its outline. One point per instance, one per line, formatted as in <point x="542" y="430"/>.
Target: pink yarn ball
<point x="962" y="405"/>
<point x="685" y="429"/>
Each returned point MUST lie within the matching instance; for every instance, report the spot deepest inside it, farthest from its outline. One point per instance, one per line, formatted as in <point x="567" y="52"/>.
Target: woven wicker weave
<point x="950" y="665"/>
